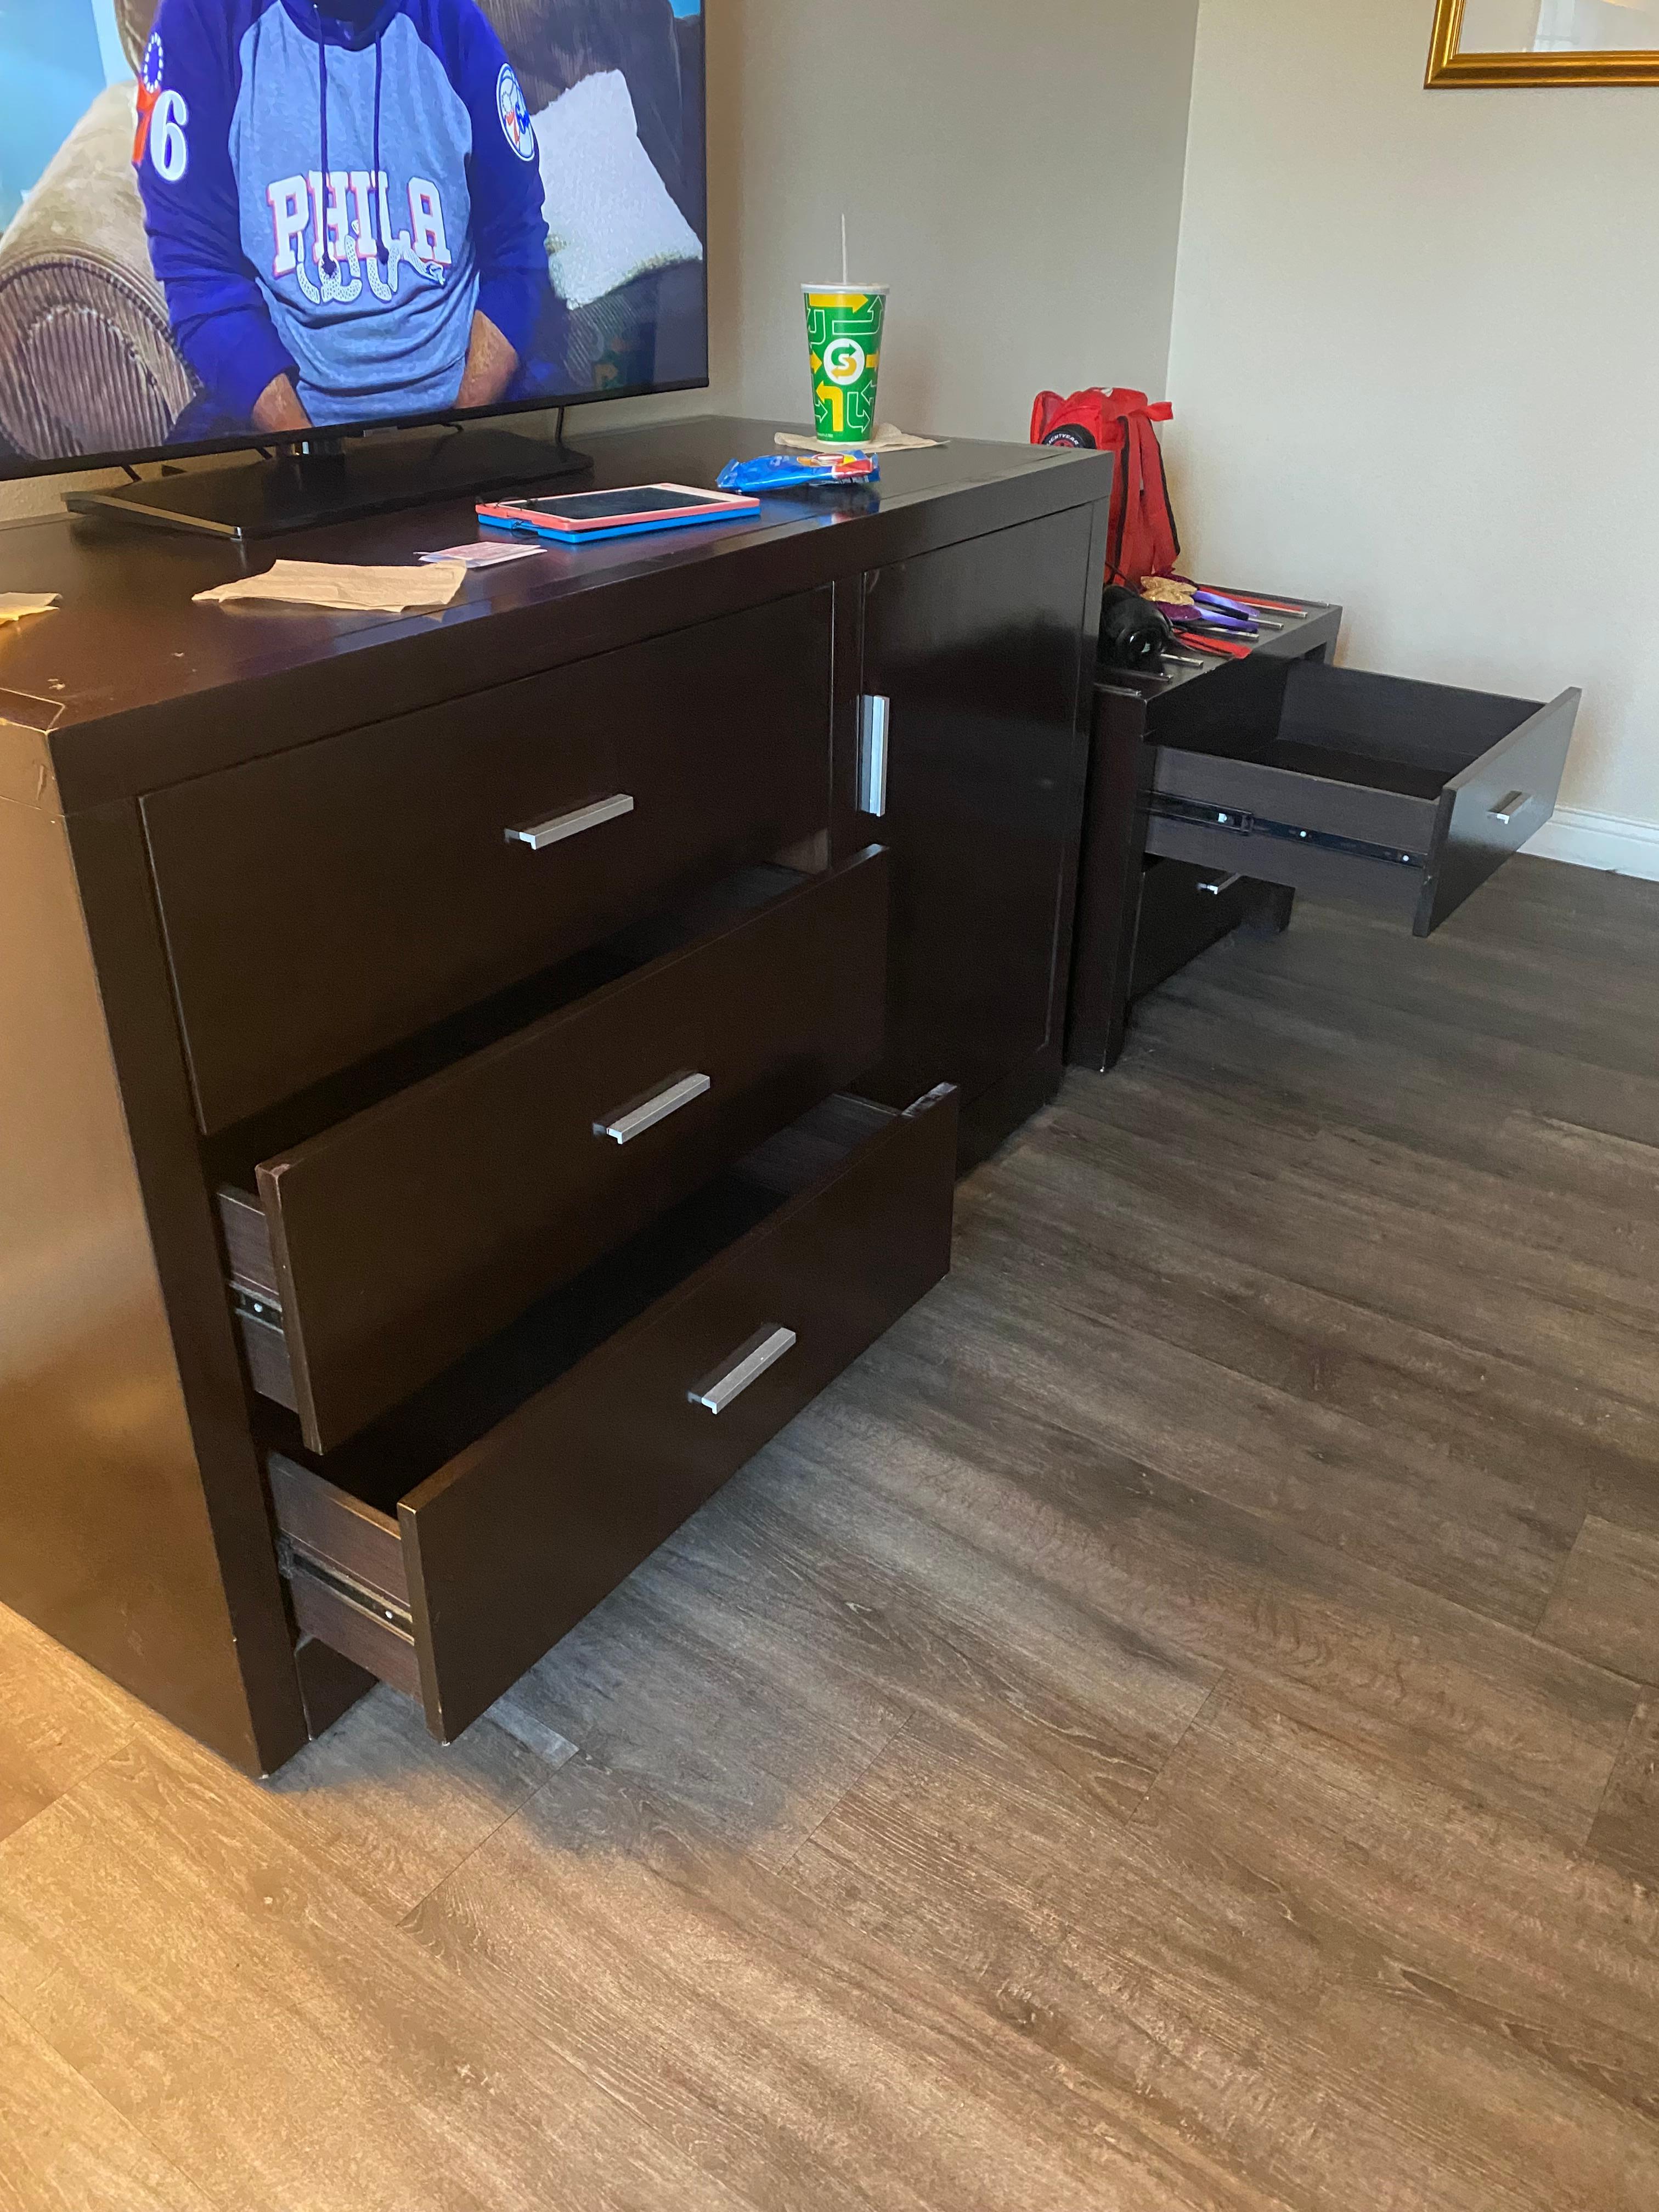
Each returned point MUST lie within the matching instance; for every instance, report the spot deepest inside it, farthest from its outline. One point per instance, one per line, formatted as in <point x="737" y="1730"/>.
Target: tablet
<point x="586" y="515"/>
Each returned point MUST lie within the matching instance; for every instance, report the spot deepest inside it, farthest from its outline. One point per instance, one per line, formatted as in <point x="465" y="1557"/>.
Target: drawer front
<point x="509" y="1546"/>
<point x="404" y="1236"/>
<point x="1370" y="788"/>
<point x="1494" y="806"/>
<point x="1184" y="911"/>
<point x="333" y="900"/>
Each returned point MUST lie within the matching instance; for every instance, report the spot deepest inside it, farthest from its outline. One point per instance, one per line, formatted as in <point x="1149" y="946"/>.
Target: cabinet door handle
<point x="1507" y="809"/>
<point x="875" y="717"/>
<point x="747" y="1365"/>
<point x="642" y="1113"/>
<point x="540" y="835"/>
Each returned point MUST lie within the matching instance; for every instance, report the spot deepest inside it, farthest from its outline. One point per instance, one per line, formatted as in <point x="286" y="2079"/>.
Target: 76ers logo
<point x="514" y="113"/>
<point x="161" y="118"/>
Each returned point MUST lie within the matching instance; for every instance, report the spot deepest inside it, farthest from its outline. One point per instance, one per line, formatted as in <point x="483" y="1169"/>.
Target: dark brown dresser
<point x="467" y="1082"/>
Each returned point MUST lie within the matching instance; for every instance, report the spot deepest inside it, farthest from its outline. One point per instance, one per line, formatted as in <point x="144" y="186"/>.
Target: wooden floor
<point x="1177" y="1726"/>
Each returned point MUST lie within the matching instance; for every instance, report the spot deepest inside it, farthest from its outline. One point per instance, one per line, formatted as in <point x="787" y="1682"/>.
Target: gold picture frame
<point x="1450" y="65"/>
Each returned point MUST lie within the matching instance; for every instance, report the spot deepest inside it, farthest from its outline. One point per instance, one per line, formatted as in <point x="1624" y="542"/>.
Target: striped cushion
<point x="86" y="363"/>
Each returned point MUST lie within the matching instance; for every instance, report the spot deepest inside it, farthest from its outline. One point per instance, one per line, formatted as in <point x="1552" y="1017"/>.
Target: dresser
<point x="469" y="1081"/>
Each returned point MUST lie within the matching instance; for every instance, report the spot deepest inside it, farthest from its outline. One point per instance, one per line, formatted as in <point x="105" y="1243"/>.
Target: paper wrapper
<point x="345" y="590"/>
<point x="885" y="438"/>
<point x="14" y="606"/>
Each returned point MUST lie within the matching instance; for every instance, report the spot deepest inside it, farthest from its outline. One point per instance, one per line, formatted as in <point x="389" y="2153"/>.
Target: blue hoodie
<point x="332" y="201"/>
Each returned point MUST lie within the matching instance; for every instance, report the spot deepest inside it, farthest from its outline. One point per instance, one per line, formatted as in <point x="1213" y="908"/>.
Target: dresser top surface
<point x="130" y="685"/>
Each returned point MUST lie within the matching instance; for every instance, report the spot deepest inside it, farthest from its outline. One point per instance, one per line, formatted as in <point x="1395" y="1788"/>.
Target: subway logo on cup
<point x="843" y="332"/>
<point x="844" y="361"/>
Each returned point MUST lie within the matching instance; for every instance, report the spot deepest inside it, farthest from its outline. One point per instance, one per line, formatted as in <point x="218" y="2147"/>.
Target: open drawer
<point x="1405" y="796"/>
<point x="449" y="1546"/>
<point x="367" y="1258"/>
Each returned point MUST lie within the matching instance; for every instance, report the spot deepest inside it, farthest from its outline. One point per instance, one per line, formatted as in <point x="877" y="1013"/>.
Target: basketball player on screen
<point x="343" y="205"/>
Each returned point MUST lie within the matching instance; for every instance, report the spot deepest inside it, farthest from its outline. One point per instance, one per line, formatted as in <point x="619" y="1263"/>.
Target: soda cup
<point x="843" y="338"/>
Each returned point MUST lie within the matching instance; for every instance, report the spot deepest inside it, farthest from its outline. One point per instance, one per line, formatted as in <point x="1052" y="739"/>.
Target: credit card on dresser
<point x="483" y="553"/>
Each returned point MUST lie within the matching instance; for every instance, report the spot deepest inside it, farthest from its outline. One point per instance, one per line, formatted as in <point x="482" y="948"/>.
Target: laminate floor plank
<point x="58" y="1721"/>
<point x="1516" y="1177"/>
<point x="1560" y="911"/>
<point x="64" y="2149"/>
<point x="1536" y="918"/>
<point x="809" y="2064"/>
<point x="392" y="1810"/>
<point x="389" y="1810"/>
<point x="690" y="1678"/>
<point x="1415" y="1258"/>
<point x="1622" y="1101"/>
<point x="1265" y="1962"/>
<point x="1493" y="1991"/>
<point x="1367" y="1108"/>
<point x="962" y="1431"/>
<point x="1292" y="984"/>
<point x="1379" y="1854"/>
<point x="1542" y="1014"/>
<point x="1394" y="1445"/>
<point x="1504" y="1421"/>
<point x="273" y="2036"/>
<point x="1625" y="1834"/>
<point x="688" y="1675"/>
<point x="1606" y="1606"/>
<point x="1494" y="985"/>
<point x="1559" y="1245"/>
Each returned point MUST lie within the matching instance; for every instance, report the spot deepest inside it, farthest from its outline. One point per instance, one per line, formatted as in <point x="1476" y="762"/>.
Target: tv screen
<point x="224" y="223"/>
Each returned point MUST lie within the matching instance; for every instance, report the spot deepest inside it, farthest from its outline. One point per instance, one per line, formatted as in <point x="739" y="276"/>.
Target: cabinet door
<point x="978" y="652"/>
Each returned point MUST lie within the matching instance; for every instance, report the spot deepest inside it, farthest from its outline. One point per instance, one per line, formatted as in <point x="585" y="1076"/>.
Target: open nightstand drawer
<point x="367" y="1258"/>
<point x="448" y="1547"/>
<point x="1404" y="795"/>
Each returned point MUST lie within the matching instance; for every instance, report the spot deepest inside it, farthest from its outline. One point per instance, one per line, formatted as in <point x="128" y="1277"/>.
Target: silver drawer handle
<point x="749" y="1362"/>
<point x="642" y="1113"/>
<point x="875" y="721"/>
<point x="540" y="835"/>
<point x="1507" y="809"/>
<point x="1216" y="886"/>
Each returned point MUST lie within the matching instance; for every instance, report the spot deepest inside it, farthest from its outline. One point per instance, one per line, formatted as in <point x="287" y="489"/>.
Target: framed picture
<point x="1494" y="42"/>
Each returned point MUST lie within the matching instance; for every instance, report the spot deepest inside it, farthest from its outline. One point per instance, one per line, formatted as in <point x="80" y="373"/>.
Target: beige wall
<point x="1416" y="364"/>
<point x="41" y="495"/>
<point x="1015" y="174"/>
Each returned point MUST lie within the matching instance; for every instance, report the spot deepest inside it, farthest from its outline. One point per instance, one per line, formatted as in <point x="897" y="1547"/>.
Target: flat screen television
<point x="282" y="223"/>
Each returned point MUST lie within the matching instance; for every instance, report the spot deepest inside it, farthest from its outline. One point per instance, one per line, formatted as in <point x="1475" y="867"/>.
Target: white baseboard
<point x="1606" y="842"/>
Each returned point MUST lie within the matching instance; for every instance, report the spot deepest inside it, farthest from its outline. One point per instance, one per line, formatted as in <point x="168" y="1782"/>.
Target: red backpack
<point x="1142" y="539"/>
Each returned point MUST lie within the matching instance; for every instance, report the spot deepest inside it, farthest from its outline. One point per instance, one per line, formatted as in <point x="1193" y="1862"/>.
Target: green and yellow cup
<point x="843" y="336"/>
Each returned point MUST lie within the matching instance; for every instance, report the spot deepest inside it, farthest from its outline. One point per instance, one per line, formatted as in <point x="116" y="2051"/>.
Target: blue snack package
<point x="798" y="472"/>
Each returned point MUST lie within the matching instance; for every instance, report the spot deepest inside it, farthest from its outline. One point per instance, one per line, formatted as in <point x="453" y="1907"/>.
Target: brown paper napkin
<point x="345" y="589"/>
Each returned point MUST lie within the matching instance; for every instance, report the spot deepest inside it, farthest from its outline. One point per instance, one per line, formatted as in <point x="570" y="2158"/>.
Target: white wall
<point x="1416" y="365"/>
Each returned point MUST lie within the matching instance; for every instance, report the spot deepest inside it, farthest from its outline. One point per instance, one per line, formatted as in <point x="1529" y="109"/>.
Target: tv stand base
<point x="331" y="480"/>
